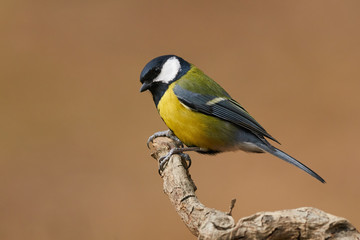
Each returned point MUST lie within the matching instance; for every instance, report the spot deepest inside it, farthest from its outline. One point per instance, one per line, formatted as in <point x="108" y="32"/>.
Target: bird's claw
<point x="166" y="133"/>
<point x="187" y="158"/>
<point x="165" y="159"/>
<point x="162" y="162"/>
<point x="155" y="135"/>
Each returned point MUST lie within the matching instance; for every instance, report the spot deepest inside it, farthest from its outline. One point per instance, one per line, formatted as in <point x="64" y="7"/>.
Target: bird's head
<point x="162" y="71"/>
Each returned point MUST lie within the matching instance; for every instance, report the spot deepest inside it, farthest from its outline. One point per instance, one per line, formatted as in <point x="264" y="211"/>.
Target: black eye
<point x="151" y="75"/>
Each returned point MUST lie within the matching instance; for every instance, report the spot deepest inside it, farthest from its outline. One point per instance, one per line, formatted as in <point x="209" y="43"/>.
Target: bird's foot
<point x="180" y="151"/>
<point x="166" y="133"/>
<point x="165" y="159"/>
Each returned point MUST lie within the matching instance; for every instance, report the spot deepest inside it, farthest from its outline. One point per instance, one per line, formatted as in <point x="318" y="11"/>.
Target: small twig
<point x="232" y="205"/>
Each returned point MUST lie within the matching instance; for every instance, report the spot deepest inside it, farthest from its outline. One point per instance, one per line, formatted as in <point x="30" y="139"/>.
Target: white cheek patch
<point x="168" y="71"/>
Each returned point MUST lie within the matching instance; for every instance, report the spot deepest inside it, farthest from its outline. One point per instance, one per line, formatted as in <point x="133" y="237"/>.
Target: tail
<point x="280" y="154"/>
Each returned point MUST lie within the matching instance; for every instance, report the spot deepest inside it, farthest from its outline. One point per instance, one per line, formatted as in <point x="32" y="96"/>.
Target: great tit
<point x="202" y="115"/>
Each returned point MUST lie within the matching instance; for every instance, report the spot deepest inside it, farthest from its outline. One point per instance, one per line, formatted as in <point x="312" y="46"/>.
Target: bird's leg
<point x="180" y="151"/>
<point x="166" y="133"/>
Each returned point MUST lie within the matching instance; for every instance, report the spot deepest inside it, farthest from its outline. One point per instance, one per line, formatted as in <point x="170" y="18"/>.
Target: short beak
<point x="145" y="86"/>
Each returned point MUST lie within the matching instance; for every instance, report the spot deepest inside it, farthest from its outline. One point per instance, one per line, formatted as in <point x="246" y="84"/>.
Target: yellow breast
<point x="194" y="128"/>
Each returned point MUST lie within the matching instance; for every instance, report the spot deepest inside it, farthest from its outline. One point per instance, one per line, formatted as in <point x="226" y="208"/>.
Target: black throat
<point x="158" y="91"/>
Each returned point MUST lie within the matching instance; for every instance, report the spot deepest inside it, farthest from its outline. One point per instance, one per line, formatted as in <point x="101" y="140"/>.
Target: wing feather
<point x="225" y="108"/>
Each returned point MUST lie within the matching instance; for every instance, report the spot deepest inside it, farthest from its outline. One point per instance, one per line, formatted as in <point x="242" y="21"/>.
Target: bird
<point x="202" y="115"/>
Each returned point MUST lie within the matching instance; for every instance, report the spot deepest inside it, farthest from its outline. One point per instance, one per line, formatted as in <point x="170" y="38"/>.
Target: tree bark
<point x="208" y="223"/>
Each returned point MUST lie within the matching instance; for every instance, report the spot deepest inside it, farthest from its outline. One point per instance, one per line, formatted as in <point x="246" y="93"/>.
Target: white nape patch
<point x="215" y="101"/>
<point x="169" y="70"/>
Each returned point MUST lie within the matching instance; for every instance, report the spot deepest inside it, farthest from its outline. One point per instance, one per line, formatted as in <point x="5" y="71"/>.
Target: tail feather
<point x="282" y="155"/>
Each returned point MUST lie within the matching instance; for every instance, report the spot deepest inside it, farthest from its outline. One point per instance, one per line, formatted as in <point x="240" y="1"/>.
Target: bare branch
<point x="208" y="223"/>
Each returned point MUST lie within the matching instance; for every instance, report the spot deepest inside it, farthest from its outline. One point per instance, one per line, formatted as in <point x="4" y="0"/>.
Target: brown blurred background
<point x="73" y="158"/>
